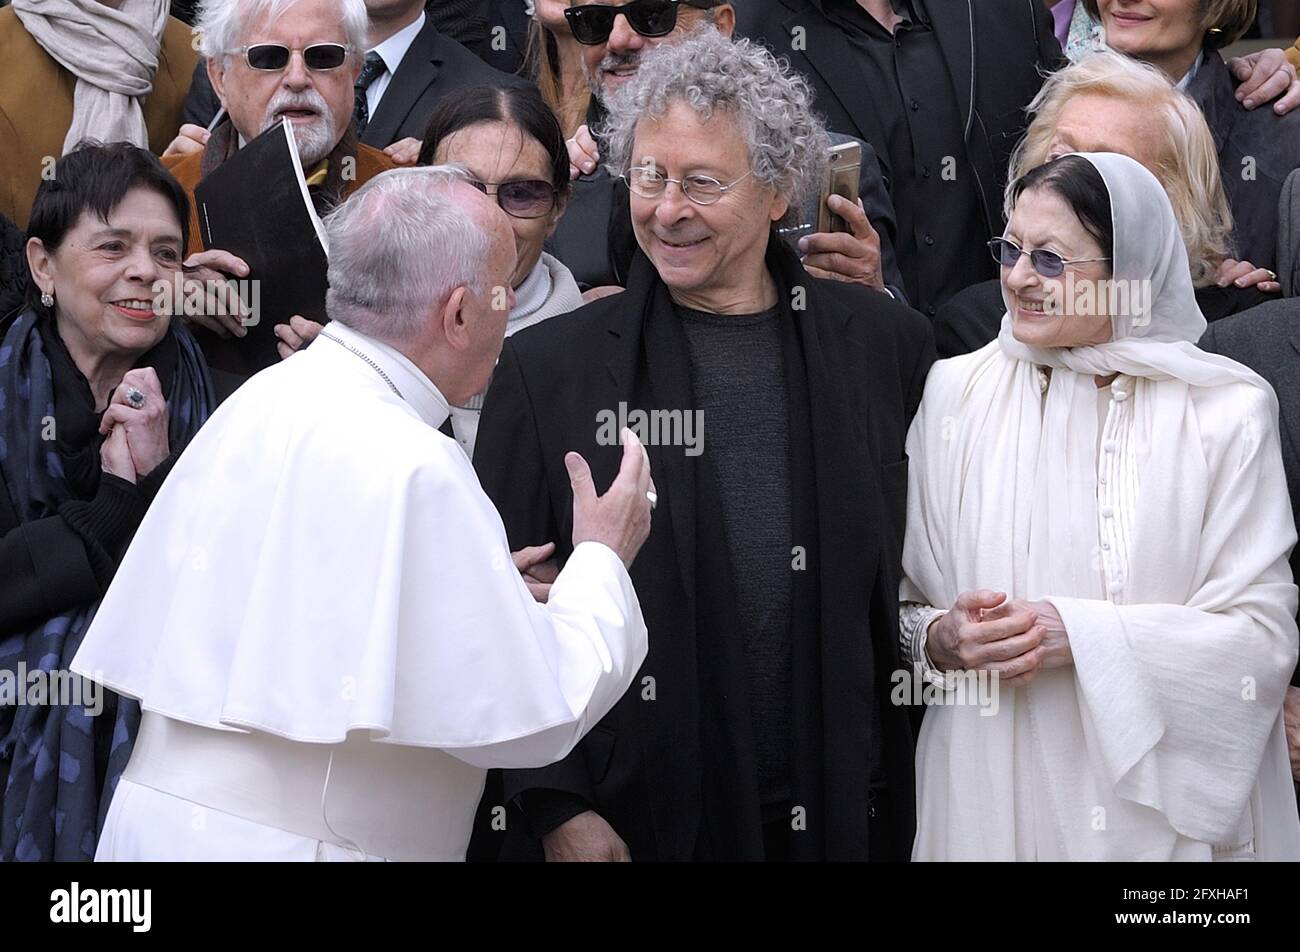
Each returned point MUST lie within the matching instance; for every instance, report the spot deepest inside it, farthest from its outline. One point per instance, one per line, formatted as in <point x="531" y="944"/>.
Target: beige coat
<point x="36" y="106"/>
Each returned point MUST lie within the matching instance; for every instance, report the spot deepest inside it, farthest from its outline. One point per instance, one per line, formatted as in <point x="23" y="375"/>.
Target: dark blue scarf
<point x="64" y="765"/>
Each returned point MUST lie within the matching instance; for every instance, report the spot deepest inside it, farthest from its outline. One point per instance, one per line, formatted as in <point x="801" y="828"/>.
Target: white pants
<point x="144" y="824"/>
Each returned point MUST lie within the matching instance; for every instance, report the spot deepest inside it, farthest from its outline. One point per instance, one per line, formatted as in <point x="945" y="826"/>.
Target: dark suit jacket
<point x="1267" y="340"/>
<point x="1258" y="149"/>
<point x="639" y="768"/>
<point x="995" y="50"/>
<point x="434" y="66"/>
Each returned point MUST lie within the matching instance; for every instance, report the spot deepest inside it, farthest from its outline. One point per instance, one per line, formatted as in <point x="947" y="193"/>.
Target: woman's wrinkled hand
<point x="984" y="632"/>
<point x="145" y="429"/>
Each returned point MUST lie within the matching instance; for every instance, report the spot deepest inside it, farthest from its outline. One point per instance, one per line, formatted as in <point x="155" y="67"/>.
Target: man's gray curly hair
<point x="788" y="144"/>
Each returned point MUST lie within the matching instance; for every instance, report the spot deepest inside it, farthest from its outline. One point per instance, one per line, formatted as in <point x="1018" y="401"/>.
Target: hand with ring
<point x="139" y="408"/>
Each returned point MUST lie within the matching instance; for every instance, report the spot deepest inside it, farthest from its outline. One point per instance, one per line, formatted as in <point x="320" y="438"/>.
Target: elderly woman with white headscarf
<point x="1098" y="522"/>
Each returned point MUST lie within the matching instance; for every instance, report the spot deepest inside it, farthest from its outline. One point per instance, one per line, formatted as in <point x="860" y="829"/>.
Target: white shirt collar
<point x="411" y="382"/>
<point x="393" y="49"/>
<point x="1191" y="73"/>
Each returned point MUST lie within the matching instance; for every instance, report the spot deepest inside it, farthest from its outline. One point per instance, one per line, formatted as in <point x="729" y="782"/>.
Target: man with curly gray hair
<point x="613" y="51"/>
<point x="775" y="405"/>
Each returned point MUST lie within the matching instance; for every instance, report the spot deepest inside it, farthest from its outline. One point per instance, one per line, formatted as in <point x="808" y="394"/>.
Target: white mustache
<point x="308" y="99"/>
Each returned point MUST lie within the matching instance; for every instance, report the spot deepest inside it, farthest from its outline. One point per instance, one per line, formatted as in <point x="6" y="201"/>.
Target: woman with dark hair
<point x="1097" y="539"/>
<point x="511" y="144"/>
<point x="100" y="390"/>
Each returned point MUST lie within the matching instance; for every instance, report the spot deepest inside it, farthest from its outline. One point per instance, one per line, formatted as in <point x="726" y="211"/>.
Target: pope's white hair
<point x="223" y="23"/>
<point x="787" y="143"/>
<point x="399" y="247"/>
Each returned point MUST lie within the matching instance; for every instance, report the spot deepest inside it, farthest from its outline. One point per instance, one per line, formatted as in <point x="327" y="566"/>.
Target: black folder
<point x="256" y="205"/>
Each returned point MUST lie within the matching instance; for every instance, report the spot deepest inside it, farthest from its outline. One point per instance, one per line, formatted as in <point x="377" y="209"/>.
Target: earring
<point x="47" y="299"/>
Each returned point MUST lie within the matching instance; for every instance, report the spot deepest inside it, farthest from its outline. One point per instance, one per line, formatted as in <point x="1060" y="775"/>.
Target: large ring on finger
<point x="1272" y="275"/>
<point x="652" y="496"/>
<point x="135" y="397"/>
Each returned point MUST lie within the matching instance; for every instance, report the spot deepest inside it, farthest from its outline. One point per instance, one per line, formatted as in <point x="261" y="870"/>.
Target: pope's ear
<point x="455" y="320"/>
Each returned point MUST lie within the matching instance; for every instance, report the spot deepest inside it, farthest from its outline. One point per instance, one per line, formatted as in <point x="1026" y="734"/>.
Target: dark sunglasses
<point x="592" y="23"/>
<point x="1047" y="263"/>
<point x="275" y="56"/>
<point x="525" y="198"/>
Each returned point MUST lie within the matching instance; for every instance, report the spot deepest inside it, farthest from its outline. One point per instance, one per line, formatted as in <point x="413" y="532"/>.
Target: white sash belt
<point x="387" y="800"/>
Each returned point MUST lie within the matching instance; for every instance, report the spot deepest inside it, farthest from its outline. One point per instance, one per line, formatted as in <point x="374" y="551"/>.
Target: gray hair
<point x="398" y="247"/>
<point x="787" y="143"/>
<point x="223" y="23"/>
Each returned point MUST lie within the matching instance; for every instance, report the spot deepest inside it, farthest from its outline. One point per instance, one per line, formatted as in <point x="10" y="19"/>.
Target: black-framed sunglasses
<point x="272" y="57"/>
<point x="523" y="198"/>
<point x="1047" y="263"/>
<point x="592" y="23"/>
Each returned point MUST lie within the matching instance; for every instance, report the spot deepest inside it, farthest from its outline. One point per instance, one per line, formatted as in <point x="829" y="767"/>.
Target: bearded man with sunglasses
<point x="615" y="38"/>
<point x="271" y="60"/>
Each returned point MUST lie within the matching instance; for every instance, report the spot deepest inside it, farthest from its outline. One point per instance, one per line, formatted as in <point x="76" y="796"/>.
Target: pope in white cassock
<point x="320" y="614"/>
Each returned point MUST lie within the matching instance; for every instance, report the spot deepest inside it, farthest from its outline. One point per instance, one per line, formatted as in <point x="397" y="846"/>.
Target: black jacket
<point x="1258" y="149"/>
<point x="1267" y="340"/>
<point x="434" y="66"/>
<point x="50" y="565"/>
<point x="997" y="52"/>
<point x="642" y="767"/>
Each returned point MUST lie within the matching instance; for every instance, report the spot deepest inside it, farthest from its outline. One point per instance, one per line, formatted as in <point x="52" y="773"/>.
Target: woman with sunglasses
<point x="1113" y="102"/>
<point x="85" y="69"/>
<point x="511" y="144"/>
<point x="1097" y="540"/>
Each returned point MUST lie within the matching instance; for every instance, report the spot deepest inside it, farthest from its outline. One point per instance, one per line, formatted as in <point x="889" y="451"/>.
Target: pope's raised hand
<point x="619" y="519"/>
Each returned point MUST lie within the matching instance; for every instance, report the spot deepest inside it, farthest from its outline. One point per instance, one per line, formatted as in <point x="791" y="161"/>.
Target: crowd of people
<point x="622" y="507"/>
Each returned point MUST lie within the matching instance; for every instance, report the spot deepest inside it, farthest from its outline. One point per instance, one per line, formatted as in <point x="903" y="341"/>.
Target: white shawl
<point x="1164" y="740"/>
<point x="112" y="52"/>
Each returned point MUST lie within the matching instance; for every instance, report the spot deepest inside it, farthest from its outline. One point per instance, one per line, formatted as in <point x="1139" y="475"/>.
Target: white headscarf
<point x="1164" y="548"/>
<point x="1157" y="341"/>
<point x="112" y="52"/>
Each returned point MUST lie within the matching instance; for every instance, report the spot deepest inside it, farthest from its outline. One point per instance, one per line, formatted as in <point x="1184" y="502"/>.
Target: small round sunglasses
<point x="592" y="23"/>
<point x="1047" y="263"/>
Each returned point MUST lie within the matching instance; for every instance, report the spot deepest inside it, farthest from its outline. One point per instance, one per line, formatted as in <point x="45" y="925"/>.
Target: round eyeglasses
<point x="1047" y="263"/>
<point x="700" y="189"/>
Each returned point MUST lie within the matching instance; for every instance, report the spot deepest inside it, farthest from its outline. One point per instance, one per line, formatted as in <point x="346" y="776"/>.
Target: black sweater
<point x="60" y="562"/>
